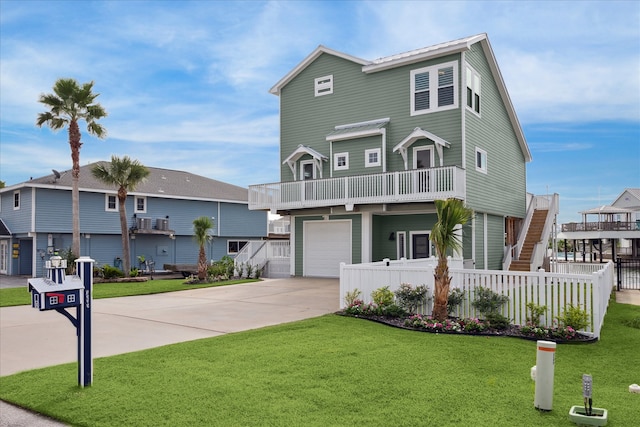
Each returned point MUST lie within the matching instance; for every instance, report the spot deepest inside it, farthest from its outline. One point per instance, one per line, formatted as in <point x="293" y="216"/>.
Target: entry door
<point x="308" y="173"/>
<point x="423" y="159"/>
<point x="420" y="247"/>
<point x="4" y="255"/>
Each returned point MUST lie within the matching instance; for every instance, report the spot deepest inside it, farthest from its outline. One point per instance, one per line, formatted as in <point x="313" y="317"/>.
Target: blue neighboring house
<point x="35" y="220"/>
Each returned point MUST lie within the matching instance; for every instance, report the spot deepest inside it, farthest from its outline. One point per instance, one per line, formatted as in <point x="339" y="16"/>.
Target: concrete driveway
<point x="33" y="339"/>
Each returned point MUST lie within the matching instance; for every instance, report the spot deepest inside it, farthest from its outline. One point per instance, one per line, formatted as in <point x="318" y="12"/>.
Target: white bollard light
<point x="545" y="364"/>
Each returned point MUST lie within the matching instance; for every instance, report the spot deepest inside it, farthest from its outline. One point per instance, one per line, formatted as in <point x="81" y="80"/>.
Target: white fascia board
<point x="374" y="68"/>
<point x="275" y="90"/>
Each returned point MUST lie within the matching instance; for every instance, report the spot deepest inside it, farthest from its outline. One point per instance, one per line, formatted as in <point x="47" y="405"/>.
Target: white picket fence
<point x="556" y="291"/>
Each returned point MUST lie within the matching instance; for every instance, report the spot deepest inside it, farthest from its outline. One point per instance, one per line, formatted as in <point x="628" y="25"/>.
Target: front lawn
<point x="340" y="371"/>
<point x="20" y="296"/>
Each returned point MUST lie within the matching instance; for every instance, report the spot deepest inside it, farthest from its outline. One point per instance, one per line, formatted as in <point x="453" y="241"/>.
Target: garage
<point x="326" y="245"/>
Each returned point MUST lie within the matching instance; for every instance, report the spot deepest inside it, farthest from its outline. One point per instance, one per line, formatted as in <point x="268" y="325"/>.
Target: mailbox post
<point x="58" y="292"/>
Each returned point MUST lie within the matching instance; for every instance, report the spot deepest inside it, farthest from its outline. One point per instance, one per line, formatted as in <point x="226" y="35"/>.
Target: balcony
<point x="600" y="226"/>
<point x="418" y="185"/>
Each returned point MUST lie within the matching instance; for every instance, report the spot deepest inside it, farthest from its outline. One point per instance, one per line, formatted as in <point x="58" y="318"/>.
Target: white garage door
<point x="326" y="245"/>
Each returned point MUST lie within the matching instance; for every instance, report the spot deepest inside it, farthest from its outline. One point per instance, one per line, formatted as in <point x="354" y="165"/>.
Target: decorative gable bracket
<point x="293" y="158"/>
<point x="415" y="135"/>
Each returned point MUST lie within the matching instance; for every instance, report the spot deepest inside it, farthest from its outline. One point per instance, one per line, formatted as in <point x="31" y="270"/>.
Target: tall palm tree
<point x="125" y="174"/>
<point x="201" y="227"/>
<point x="444" y="235"/>
<point x="68" y="104"/>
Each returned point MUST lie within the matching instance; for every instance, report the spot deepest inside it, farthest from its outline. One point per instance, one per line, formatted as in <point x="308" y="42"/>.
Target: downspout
<point x="34" y="235"/>
<point x="384" y="149"/>
<point x="463" y="110"/>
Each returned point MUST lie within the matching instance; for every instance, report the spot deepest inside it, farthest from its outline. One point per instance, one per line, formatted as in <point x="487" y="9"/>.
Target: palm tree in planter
<point x="445" y="237"/>
<point x="125" y="174"/>
<point x="70" y="103"/>
<point x="201" y="227"/>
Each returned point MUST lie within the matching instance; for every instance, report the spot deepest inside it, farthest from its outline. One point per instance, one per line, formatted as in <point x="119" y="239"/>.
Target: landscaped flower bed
<point x="393" y="315"/>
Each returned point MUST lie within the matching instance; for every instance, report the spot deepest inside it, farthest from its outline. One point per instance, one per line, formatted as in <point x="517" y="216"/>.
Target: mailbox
<point x="49" y="295"/>
<point x="58" y="292"/>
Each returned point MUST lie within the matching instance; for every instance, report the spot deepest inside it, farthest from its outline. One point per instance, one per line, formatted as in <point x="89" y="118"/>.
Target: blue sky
<point x="186" y="83"/>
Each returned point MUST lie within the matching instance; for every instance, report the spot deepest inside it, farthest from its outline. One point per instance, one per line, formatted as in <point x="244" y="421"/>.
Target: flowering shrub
<point x="559" y="332"/>
<point x="473" y="325"/>
<point x="426" y="322"/>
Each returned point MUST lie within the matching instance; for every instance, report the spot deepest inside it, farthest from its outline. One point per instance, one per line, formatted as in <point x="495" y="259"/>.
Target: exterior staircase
<point x="534" y="236"/>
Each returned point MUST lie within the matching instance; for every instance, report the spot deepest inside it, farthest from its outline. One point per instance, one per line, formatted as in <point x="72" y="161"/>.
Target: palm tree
<point x="125" y="174"/>
<point x="201" y="227"/>
<point x="451" y="213"/>
<point x="68" y="104"/>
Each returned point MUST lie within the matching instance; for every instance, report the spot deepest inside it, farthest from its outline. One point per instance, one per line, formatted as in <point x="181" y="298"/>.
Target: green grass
<point x="20" y="296"/>
<point x="339" y="371"/>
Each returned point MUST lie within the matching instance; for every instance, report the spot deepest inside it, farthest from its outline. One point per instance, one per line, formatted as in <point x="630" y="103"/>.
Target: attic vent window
<point x="323" y="85"/>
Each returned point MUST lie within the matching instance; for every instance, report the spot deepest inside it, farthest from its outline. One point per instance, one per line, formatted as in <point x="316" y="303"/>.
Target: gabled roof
<point x="410" y="57"/>
<point x="301" y="151"/>
<point x="164" y="183"/>
<point x="308" y="60"/>
<point x="629" y="197"/>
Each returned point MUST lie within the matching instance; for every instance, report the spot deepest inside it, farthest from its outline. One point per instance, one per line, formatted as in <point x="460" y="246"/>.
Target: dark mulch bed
<point x="512" y="331"/>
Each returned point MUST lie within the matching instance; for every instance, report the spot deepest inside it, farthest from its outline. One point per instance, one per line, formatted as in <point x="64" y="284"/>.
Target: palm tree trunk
<point x="202" y="264"/>
<point x="74" y="142"/>
<point x="441" y="293"/>
<point x="126" y="256"/>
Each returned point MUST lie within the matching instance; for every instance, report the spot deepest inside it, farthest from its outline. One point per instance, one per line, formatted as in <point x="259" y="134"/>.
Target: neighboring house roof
<point x="165" y="183"/>
<point x="417" y="55"/>
<point x="4" y="230"/>
<point x="606" y="210"/>
<point x="627" y="198"/>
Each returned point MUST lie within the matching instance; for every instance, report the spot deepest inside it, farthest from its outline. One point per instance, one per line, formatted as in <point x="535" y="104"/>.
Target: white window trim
<point x="13" y="201"/>
<point x="135" y="204"/>
<point x="337" y="167"/>
<point x="323" y="85"/>
<point x="106" y="203"/>
<point x="433" y="95"/>
<point x="410" y="243"/>
<point x="431" y="148"/>
<point x="367" y="163"/>
<point x="475" y="85"/>
<point x="246" y="242"/>
<point x="483" y="167"/>
<point x="401" y="243"/>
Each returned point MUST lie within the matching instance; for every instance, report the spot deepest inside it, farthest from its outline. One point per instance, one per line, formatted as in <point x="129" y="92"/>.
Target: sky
<point x="186" y="83"/>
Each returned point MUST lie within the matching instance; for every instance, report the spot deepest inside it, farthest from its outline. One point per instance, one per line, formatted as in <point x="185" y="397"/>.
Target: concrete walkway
<point x="32" y="339"/>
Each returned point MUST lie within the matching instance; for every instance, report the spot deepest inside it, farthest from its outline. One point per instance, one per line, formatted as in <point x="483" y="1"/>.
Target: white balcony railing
<point x="418" y="185"/>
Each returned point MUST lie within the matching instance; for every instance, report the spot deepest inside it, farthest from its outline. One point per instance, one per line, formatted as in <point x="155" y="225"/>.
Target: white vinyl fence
<point x="556" y="291"/>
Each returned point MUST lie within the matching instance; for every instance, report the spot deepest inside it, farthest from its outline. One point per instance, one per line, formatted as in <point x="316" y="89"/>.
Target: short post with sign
<point x="588" y="415"/>
<point x="544" y="373"/>
<point x="57" y="292"/>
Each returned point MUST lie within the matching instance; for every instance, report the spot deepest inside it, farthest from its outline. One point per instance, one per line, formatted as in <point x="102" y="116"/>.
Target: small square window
<point x="111" y="203"/>
<point x="372" y="158"/>
<point x="141" y="204"/>
<point x="481" y="160"/>
<point x="323" y="85"/>
<point x="341" y="161"/>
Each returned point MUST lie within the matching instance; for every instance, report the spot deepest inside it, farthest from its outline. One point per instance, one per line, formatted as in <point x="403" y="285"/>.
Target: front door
<point x="423" y="159"/>
<point x="4" y="256"/>
<point x="307" y="173"/>
<point x="420" y="247"/>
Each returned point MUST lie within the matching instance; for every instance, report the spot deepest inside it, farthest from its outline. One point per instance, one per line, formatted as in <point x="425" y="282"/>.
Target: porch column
<point x="367" y="236"/>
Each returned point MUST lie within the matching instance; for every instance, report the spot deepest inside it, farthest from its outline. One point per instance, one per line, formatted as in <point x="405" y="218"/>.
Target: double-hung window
<point x="141" y="204"/>
<point x="16" y="200"/>
<point x="481" y="160"/>
<point x="111" y="203"/>
<point x="434" y="88"/>
<point x="473" y="90"/>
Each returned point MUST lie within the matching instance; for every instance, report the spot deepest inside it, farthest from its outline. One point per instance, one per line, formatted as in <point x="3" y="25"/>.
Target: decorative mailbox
<point x="57" y="292"/>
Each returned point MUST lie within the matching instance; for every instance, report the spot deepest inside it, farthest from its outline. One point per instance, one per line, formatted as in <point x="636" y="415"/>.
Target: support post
<point x="84" y="268"/>
<point x="545" y="366"/>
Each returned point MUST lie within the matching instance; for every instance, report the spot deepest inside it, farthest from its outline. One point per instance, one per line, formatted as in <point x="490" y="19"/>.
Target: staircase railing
<point x="551" y="203"/>
<point x="258" y="253"/>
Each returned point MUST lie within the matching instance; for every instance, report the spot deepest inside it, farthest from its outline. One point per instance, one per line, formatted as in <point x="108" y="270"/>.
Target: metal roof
<point x="357" y="130"/>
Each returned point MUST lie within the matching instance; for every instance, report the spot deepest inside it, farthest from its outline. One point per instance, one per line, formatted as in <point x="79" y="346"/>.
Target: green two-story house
<point x="367" y="146"/>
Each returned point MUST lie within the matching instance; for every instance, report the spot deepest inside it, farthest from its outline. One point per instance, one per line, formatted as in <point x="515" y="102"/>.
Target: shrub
<point x="498" y="321"/>
<point x="392" y="310"/>
<point x="249" y="269"/>
<point x="534" y="311"/>
<point x="110" y="272"/>
<point x="71" y="260"/>
<point x="575" y="317"/>
<point x="192" y="280"/>
<point x="239" y="269"/>
<point x="382" y="296"/>
<point x="488" y="302"/>
<point x="351" y="296"/>
<point x="410" y="298"/>
<point x="257" y="273"/>
<point x="632" y="323"/>
<point x="455" y="298"/>
<point x="217" y="271"/>
<point x="134" y="272"/>
<point x="473" y="325"/>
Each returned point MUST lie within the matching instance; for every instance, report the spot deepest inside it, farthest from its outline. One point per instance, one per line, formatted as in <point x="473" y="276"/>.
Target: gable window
<point x="141" y="204"/>
<point x="235" y="246"/>
<point x="110" y="203"/>
<point x="372" y="158"/>
<point x="481" y="160"/>
<point x="323" y="85"/>
<point x="341" y="161"/>
<point x="434" y="88"/>
<point x="473" y="90"/>
<point x="16" y="200"/>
